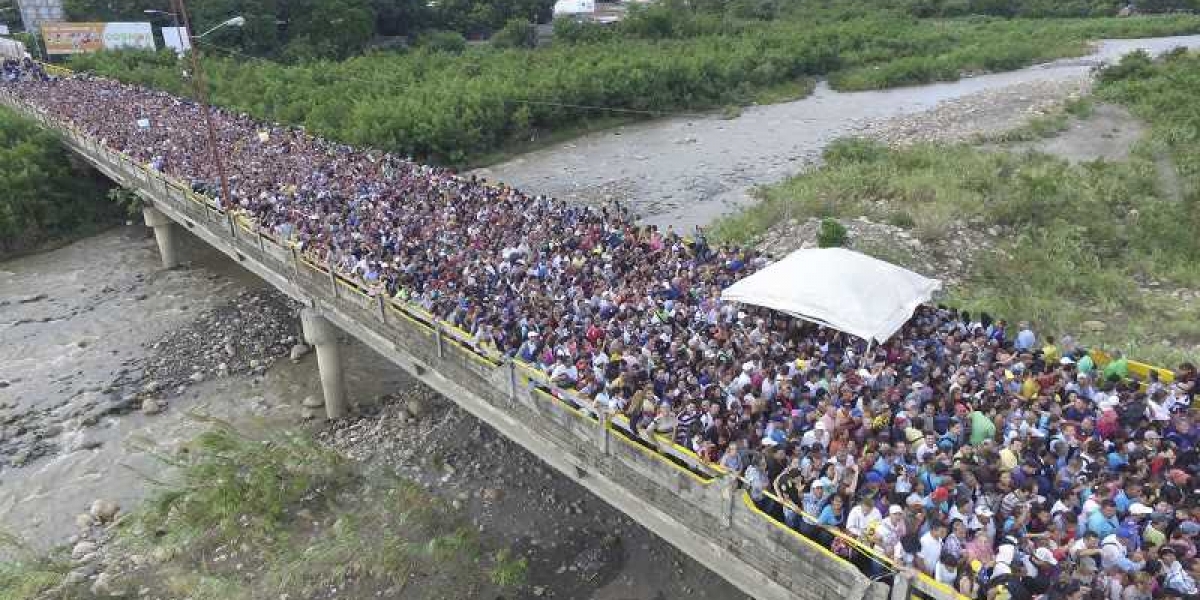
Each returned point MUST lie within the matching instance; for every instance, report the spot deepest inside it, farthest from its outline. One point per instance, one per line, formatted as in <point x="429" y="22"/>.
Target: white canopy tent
<point x="838" y="288"/>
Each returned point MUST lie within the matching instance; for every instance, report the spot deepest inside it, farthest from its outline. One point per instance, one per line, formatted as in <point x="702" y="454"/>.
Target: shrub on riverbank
<point x="44" y="196"/>
<point x="450" y="106"/>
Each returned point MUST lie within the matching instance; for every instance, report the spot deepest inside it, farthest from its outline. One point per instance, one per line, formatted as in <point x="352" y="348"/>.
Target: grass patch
<point x="1076" y="239"/>
<point x="256" y="515"/>
<point x="25" y="575"/>
<point x="509" y="570"/>
<point x="1044" y="126"/>
<point x="784" y="91"/>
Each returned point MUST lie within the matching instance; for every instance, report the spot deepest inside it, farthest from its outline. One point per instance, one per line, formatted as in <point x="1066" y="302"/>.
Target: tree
<point x="329" y="29"/>
<point x="44" y="196"/>
<point x="517" y="33"/>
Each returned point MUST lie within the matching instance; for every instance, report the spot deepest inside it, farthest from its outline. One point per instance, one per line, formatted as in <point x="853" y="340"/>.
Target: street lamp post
<point x="201" y="97"/>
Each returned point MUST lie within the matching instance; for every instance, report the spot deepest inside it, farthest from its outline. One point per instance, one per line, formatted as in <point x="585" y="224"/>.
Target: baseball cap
<point x="1137" y="508"/>
<point x="1045" y="555"/>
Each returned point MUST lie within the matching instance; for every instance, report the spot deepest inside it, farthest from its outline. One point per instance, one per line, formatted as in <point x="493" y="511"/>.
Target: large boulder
<point x="104" y="511"/>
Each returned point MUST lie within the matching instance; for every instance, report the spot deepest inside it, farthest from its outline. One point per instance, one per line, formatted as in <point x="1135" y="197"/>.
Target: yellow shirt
<point x="1008" y="459"/>
<point x="1050" y="354"/>
<point x="1029" y="388"/>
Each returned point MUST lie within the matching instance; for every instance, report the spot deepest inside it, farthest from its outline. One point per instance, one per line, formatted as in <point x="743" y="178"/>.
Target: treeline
<point x="296" y="30"/>
<point x="44" y="196"/>
<point x="451" y="106"/>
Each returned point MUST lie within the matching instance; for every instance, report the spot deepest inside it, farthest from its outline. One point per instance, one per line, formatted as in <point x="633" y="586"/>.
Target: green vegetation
<point x="24" y="573"/>
<point x="1045" y="126"/>
<point x="832" y="234"/>
<point x="450" y="107"/>
<point x="509" y="571"/>
<point x="247" y="515"/>
<point x="1164" y="94"/>
<point x="45" y="197"/>
<point x="517" y="33"/>
<point x="309" y="517"/>
<point x="1075" y="240"/>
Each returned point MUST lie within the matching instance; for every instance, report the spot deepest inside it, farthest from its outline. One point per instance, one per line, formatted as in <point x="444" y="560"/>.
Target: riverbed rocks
<point x="982" y="114"/>
<point x="949" y="257"/>
<point x="299" y="351"/>
<point x="104" y="511"/>
<point x="151" y="407"/>
<point x="246" y="335"/>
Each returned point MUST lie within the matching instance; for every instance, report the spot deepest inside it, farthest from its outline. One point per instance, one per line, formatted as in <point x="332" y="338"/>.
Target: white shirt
<point x="859" y="520"/>
<point x="931" y="551"/>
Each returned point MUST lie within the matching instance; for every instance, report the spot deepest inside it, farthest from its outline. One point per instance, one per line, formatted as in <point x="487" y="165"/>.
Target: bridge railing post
<point x="512" y="380"/>
<point x="295" y="264"/>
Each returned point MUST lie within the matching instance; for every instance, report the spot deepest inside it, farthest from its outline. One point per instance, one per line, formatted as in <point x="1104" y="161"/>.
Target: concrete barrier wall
<point x="701" y="513"/>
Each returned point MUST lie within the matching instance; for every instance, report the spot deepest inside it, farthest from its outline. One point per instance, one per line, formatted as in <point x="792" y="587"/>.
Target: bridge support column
<point x="164" y="234"/>
<point x="323" y="336"/>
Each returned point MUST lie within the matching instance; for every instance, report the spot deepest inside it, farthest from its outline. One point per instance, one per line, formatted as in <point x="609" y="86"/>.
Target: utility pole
<point x="202" y="98"/>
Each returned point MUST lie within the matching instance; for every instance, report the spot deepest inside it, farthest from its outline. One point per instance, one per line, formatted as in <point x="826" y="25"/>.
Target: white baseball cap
<point x="1137" y="508"/>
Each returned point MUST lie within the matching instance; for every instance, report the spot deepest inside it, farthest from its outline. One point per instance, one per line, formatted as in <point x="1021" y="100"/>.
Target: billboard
<point x="574" y="7"/>
<point x="176" y="38"/>
<point x="12" y="49"/>
<point x="81" y="38"/>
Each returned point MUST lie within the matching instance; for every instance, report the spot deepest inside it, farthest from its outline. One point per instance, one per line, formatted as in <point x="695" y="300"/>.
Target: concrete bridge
<point x="695" y="506"/>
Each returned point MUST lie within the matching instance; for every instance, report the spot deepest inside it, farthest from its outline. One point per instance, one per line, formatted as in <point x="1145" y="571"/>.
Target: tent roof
<point x="840" y="288"/>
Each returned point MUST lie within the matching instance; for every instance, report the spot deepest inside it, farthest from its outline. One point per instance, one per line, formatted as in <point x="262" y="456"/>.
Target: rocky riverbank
<point x="577" y="546"/>
<point x="246" y="335"/>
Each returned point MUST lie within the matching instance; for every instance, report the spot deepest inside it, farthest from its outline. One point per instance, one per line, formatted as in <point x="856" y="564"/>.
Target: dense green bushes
<point x="449" y="107"/>
<point x="43" y="196"/>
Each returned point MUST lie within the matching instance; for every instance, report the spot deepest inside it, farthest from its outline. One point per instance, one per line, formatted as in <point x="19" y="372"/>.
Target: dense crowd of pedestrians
<point x="998" y="461"/>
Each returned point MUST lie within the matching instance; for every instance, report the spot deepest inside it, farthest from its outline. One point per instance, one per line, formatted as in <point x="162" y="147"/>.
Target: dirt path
<point x="689" y="171"/>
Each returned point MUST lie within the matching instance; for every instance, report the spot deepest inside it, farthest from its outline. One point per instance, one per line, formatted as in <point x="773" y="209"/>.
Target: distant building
<point x="592" y="11"/>
<point x="36" y="12"/>
<point x="574" y="8"/>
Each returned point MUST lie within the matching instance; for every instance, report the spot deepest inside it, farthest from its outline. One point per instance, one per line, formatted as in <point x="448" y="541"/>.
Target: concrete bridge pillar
<point x="322" y="335"/>
<point x="164" y="234"/>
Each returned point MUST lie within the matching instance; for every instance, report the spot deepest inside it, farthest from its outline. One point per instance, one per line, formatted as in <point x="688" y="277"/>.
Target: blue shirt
<point x="1025" y="340"/>
<point x="828" y="517"/>
<point x="1101" y="525"/>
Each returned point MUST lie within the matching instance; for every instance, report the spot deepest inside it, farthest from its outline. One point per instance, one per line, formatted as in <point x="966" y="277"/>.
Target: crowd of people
<point x="1000" y="462"/>
<point x="13" y="70"/>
